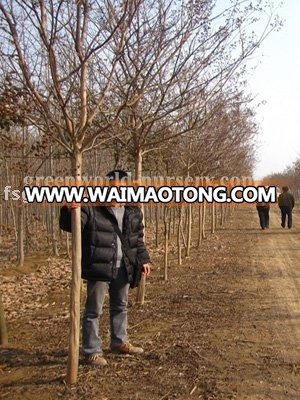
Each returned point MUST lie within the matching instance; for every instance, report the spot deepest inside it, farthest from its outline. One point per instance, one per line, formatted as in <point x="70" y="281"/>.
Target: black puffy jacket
<point x="99" y="240"/>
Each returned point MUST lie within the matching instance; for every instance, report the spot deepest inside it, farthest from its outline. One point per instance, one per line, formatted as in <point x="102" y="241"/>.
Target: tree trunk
<point x="178" y="236"/>
<point x="73" y="356"/>
<point x="53" y="221"/>
<point x="1" y="223"/>
<point x="27" y="231"/>
<point x="189" y="230"/>
<point x="3" y="330"/>
<point x="20" y="235"/>
<point x="213" y="217"/>
<point x="48" y="225"/>
<point x="67" y="245"/>
<point x="200" y="225"/>
<point x="174" y="220"/>
<point x="203" y="220"/>
<point x="140" y="295"/>
<point x="166" y="242"/>
<point x="53" y="232"/>
<point x="157" y="225"/>
<point x="169" y="224"/>
<point x="11" y="205"/>
<point x="21" y="211"/>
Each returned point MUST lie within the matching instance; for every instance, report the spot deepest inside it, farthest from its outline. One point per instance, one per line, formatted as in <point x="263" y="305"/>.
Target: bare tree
<point x="60" y="53"/>
<point x="176" y="60"/>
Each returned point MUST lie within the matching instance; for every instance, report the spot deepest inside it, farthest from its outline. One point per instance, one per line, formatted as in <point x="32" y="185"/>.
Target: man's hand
<point x="146" y="269"/>
<point x="72" y="205"/>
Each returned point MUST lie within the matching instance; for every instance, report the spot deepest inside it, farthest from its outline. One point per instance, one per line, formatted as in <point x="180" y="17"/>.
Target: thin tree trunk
<point x="13" y="216"/>
<point x="156" y="225"/>
<point x="213" y="217"/>
<point x="11" y="205"/>
<point x="189" y="230"/>
<point x="178" y="236"/>
<point x="73" y="355"/>
<point x="223" y="213"/>
<point x="169" y="224"/>
<point x="200" y="225"/>
<point x="174" y="220"/>
<point x="140" y="295"/>
<point x="203" y="220"/>
<point x="48" y="225"/>
<point x="53" y="233"/>
<point x="166" y="242"/>
<point x="21" y="212"/>
<point x="183" y="237"/>
<point x="52" y="221"/>
<point x="1" y="223"/>
<point x="27" y="232"/>
<point x="68" y="245"/>
<point x="20" y="242"/>
<point x="3" y="329"/>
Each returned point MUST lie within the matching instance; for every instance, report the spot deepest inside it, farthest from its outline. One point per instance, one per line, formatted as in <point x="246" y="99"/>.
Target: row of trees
<point x="154" y="86"/>
<point x="224" y="148"/>
<point x="290" y="177"/>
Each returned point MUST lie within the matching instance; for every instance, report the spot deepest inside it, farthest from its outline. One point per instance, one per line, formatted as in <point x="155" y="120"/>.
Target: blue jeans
<point x="263" y="213"/>
<point x="286" y="212"/>
<point x="118" y="299"/>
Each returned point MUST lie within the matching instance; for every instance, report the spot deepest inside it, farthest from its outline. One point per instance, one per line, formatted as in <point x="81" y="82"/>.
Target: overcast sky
<point x="277" y="81"/>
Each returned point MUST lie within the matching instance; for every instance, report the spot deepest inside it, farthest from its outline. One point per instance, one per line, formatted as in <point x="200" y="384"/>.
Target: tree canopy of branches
<point x="176" y="61"/>
<point x="290" y="177"/>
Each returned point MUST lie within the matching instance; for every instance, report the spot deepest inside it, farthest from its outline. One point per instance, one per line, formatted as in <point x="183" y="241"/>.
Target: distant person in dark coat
<point x="286" y="203"/>
<point x="263" y="210"/>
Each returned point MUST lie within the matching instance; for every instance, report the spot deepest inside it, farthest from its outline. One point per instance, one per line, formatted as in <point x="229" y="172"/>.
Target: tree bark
<point x="178" y="236"/>
<point x="53" y="233"/>
<point x="166" y="242"/>
<point x="11" y="205"/>
<point x="67" y="245"/>
<point x="189" y="230"/>
<point x="3" y="329"/>
<point x="1" y="223"/>
<point x="53" y="220"/>
<point x="73" y="356"/>
<point x="157" y="209"/>
<point x="140" y="295"/>
<point x="213" y="217"/>
<point x="200" y="225"/>
<point x="203" y="220"/>
<point x="27" y="231"/>
<point x="20" y="235"/>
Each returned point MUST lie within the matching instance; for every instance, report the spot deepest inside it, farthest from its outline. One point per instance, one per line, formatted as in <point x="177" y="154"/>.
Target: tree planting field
<point x="226" y="325"/>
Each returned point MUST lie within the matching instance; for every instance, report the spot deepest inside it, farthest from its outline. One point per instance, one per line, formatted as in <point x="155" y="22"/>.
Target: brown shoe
<point x="127" y="348"/>
<point x="95" y="359"/>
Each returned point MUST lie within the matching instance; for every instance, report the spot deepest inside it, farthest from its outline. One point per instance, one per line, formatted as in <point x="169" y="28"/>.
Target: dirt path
<point x="225" y="326"/>
<point x="266" y="357"/>
<point x="276" y="263"/>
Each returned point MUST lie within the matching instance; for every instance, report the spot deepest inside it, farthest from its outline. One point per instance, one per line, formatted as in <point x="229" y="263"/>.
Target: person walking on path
<point x="286" y="203"/>
<point x="111" y="238"/>
<point x="263" y="210"/>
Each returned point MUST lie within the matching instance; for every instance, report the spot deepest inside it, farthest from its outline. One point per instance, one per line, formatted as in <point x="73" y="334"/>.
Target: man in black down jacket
<point x="104" y="269"/>
<point x="286" y="203"/>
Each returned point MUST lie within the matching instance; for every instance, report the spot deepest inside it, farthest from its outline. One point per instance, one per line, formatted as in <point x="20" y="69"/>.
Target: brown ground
<point x="225" y="326"/>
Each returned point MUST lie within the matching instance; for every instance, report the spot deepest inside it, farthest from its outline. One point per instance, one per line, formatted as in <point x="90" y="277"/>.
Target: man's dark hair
<point x="117" y="174"/>
<point x="285" y="188"/>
